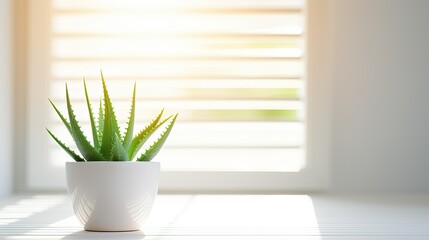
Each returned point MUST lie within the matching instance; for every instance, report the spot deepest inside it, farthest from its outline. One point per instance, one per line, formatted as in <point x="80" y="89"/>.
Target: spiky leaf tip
<point x="100" y="122"/>
<point x="129" y="132"/>
<point x="63" y="119"/>
<point x="91" y="118"/>
<point x="108" y="103"/>
<point x="110" y="127"/>
<point x="82" y="143"/>
<point x="70" y="152"/>
<point x="144" y="135"/>
<point x="154" y="149"/>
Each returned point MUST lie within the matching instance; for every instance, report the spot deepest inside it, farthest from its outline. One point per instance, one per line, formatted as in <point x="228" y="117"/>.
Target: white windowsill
<point x="232" y="217"/>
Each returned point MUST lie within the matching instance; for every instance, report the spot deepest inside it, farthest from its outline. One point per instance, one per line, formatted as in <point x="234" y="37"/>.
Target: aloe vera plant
<point x="108" y="143"/>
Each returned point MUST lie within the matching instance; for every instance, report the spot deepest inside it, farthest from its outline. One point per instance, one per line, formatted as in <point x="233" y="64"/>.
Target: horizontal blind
<point x="232" y="69"/>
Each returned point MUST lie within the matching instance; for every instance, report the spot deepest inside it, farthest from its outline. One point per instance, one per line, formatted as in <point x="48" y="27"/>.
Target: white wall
<point x="5" y="98"/>
<point x="381" y="95"/>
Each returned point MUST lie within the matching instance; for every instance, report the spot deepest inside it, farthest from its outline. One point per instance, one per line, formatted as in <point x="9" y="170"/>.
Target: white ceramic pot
<point x="112" y="196"/>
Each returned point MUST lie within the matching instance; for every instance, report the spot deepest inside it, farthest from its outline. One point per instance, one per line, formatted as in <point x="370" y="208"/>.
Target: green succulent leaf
<point x="118" y="151"/>
<point x="63" y="119"/>
<point x="100" y="123"/>
<point x="108" y="103"/>
<point x="76" y="157"/>
<point x="110" y="127"/>
<point x="153" y="150"/>
<point x="109" y="144"/>
<point x="107" y="141"/>
<point x="144" y="135"/>
<point x="91" y="118"/>
<point x="129" y="133"/>
<point x="82" y="143"/>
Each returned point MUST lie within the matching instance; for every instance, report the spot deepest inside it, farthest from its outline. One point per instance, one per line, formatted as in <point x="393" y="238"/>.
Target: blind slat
<point x="168" y="4"/>
<point x="141" y="48"/>
<point x="206" y="24"/>
<point x="222" y="134"/>
<point x="243" y="69"/>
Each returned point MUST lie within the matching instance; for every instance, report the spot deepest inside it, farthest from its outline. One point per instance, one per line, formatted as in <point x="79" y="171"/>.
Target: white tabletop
<point x="232" y="217"/>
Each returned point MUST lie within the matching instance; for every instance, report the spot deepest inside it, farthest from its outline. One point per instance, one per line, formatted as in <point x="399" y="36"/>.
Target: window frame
<point x="313" y="177"/>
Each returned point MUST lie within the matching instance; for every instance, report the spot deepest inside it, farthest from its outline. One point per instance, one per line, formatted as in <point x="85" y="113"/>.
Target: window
<point x="234" y="70"/>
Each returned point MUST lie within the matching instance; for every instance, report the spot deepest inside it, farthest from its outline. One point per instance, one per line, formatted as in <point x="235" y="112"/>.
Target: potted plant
<point x="109" y="191"/>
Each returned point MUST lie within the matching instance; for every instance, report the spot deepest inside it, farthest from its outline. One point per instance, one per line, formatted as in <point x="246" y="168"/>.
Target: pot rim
<point x="111" y="162"/>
